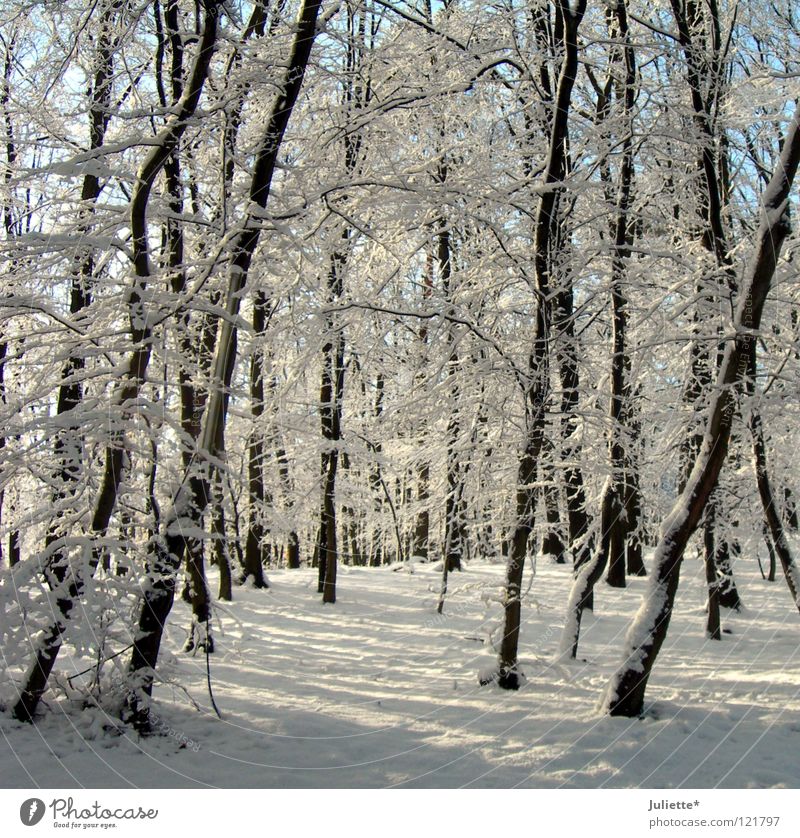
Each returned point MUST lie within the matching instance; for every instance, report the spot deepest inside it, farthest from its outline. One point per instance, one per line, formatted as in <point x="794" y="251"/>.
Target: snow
<point x="378" y="690"/>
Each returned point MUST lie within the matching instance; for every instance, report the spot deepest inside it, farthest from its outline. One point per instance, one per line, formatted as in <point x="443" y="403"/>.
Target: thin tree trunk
<point x="423" y="520"/>
<point x="331" y="396"/>
<point x="222" y="557"/>
<point x="768" y="500"/>
<point x="771" y="550"/>
<point x="633" y="509"/>
<point x="376" y="483"/>
<point x="612" y="528"/>
<point x="255" y="554"/>
<point x="453" y="529"/>
<point x="11" y="228"/>
<point x="292" y="541"/>
<point x="713" y="631"/>
<point x="546" y="223"/>
<point x="790" y="508"/>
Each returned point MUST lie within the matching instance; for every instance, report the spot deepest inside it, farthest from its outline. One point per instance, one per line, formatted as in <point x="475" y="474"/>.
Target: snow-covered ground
<point x="379" y="691"/>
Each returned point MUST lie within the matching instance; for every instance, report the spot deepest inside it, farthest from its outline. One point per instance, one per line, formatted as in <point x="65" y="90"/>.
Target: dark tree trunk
<point x="615" y="577"/>
<point x="791" y="509"/>
<point x="192" y="495"/>
<point x="376" y="482"/>
<point x="331" y="397"/>
<point x="771" y="551"/>
<point x="626" y="691"/>
<point x="255" y="552"/>
<point x="577" y="516"/>
<point x="771" y="512"/>
<point x="545" y="236"/>
<point x="552" y="544"/>
<point x="293" y="551"/>
<point x="728" y="590"/>
<point x="713" y="631"/>
<point x="72" y="587"/>
<point x="453" y="524"/>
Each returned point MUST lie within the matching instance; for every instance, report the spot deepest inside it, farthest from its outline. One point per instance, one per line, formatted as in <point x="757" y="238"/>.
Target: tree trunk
<point x="703" y="54"/>
<point x="192" y="395"/>
<point x="771" y="550"/>
<point x="546" y="222"/>
<point x="192" y="495"/>
<point x="612" y="526"/>
<point x="330" y="398"/>
<point x="72" y="588"/>
<point x="222" y="557"/>
<point x="713" y="631"/>
<point x="771" y="512"/>
<point x="255" y="553"/>
<point x="626" y="691"/>
<point x="552" y="544"/>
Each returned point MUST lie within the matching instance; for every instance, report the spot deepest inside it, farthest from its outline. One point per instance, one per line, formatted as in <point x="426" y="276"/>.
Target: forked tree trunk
<point x="192" y="395"/>
<point x="700" y="37"/>
<point x="192" y="495"/>
<point x="611" y="544"/>
<point x="71" y="589"/>
<point x="626" y="691"/>
<point x="508" y="676"/>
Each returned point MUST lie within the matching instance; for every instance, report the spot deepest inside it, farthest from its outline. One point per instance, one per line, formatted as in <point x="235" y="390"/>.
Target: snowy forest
<point x="381" y="365"/>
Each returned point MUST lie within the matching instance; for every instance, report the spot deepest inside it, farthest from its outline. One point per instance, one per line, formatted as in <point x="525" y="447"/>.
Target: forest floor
<point x="379" y="691"/>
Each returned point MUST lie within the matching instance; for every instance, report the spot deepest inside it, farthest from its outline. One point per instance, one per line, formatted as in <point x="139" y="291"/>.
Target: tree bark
<point x="791" y="571"/>
<point x="72" y="587"/>
<point x="625" y="693"/>
<point x="192" y="495"/>
<point x="611" y="543"/>
<point x="508" y="676"/>
<point x="255" y="553"/>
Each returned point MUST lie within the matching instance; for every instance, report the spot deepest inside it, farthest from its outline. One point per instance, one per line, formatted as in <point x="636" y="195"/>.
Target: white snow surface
<point x="378" y="691"/>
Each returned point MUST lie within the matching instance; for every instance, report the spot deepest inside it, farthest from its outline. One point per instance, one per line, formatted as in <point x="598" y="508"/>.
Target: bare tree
<point x="546" y="223"/>
<point x="626" y="691"/>
<point x="192" y="496"/>
<point x="68" y="581"/>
